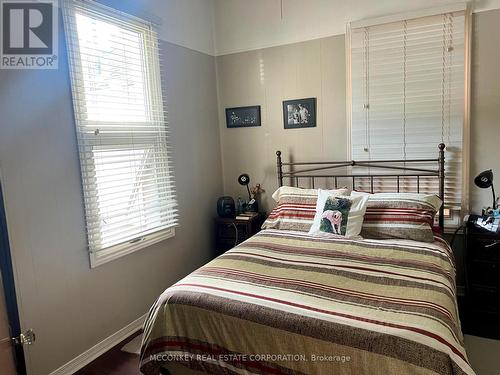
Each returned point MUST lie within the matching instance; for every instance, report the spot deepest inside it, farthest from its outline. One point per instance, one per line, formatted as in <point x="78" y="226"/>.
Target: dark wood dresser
<point x="482" y="283"/>
<point x="230" y="232"/>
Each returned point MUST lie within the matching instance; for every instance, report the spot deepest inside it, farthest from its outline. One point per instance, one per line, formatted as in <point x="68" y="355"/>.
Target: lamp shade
<point x="484" y="179"/>
<point x="244" y="179"/>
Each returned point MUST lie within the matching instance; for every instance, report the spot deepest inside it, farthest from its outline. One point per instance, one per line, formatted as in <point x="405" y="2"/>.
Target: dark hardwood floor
<point x="114" y="362"/>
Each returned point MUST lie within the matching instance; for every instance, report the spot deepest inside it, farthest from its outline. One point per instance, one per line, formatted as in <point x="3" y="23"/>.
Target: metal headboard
<point x="415" y="172"/>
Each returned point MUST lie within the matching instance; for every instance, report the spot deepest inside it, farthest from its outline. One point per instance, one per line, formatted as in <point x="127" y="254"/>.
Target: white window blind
<point x="407" y="95"/>
<point x="127" y="176"/>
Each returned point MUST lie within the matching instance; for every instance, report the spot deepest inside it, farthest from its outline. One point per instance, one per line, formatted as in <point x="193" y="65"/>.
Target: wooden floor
<point x="114" y="362"/>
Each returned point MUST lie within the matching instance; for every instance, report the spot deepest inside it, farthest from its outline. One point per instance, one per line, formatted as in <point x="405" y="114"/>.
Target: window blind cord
<point x="450" y="65"/>
<point x="366" y="62"/>
<point x="97" y="166"/>
<point x="405" y="39"/>
<point x="443" y="78"/>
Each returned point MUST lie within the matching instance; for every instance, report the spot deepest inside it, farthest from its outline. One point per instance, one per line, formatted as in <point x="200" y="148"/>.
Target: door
<point x="7" y="358"/>
<point x="11" y="355"/>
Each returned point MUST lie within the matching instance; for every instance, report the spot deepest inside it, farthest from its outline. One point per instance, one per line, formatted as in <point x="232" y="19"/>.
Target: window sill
<point x="118" y="251"/>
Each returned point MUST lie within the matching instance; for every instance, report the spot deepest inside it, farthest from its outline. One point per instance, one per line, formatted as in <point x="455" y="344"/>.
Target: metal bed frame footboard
<point x="398" y="173"/>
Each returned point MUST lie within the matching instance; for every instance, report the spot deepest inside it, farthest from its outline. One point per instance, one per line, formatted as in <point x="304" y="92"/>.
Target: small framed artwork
<point x="299" y="113"/>
<point x="243" y="117"/>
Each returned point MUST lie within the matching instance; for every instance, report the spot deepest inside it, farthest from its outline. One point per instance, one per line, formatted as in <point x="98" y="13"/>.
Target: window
<point x="408" y="86"/>
<point x="127" y="176"/>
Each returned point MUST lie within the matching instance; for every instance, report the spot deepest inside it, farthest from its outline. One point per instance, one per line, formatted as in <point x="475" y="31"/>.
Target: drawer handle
<point x="492" y="244"/>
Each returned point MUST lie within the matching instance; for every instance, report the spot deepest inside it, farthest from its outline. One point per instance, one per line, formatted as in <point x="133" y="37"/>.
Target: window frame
<point x="151" y="61"/>
<point x="453" y="219"/>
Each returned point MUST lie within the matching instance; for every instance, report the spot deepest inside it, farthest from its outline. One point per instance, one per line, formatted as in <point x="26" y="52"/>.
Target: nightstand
<point x="483" y="283"/>
<point x="229" y="231"/>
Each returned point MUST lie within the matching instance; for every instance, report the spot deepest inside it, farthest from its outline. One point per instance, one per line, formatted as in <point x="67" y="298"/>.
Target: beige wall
<point x="267" y="77"/>
<point x="485" y="120"/>
<point x="70" y="306"/>
<point x="317" y="68"/>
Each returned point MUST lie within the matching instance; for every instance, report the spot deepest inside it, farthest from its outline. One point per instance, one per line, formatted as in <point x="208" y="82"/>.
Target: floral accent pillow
<point x="338" y="215"/>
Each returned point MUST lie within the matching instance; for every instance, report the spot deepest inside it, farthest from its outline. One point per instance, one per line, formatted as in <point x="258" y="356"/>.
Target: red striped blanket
<point x="288" y="303"/>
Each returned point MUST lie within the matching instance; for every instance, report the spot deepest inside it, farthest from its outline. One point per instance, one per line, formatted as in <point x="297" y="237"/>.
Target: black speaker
<point x="225" y="207"/>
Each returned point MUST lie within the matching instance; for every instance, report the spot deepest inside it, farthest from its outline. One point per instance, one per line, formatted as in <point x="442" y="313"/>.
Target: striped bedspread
<point x="287" y="303"/>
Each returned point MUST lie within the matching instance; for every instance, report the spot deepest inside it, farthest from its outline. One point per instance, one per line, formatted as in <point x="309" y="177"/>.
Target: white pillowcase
<point x="339" y="207"/>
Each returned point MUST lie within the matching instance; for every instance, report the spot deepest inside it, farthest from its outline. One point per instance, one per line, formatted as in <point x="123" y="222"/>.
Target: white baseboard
<point x="100" y="348"/>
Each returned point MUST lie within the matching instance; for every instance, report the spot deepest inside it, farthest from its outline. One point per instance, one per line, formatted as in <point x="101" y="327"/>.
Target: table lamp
<point x="484" y="180"/>
<point x="244" y="180"/>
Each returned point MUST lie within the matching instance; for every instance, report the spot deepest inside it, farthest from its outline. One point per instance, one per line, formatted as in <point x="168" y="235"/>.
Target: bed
<point x="286" y="302"/>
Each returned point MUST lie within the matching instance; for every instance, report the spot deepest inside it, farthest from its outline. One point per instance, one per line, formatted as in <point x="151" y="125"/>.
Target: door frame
<point x="9" y="286"/>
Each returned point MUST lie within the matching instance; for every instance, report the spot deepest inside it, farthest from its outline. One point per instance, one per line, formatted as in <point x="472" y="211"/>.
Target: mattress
<point x="288" y="303"/>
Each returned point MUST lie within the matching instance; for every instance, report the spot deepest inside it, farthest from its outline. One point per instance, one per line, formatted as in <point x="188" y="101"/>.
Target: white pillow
<point x="342" y="215"/>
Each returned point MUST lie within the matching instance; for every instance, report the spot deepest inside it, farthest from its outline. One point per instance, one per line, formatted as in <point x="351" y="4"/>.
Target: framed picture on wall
<point x="243" y="117"/>
<point x="299" y="113"/>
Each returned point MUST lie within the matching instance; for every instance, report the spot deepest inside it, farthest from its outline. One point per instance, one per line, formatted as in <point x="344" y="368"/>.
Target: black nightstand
<point x="482" y="283"/>
<point x="229" y="232"/>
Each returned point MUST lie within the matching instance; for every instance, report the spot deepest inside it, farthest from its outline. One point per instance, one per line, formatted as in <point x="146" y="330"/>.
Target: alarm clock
<point x="225" y="207"/>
